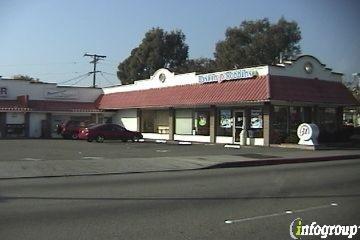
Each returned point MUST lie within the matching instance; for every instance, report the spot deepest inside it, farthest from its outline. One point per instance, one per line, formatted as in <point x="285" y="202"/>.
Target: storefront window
<point x="183" y="121"/>
<point x="155" y="121"/>
<point x="256" y="123"/>
<point x="224" y="127"/>
<point x="202" y="123"/>
<point x="296" y="118"/>
<point x="279" y="123"/>
<point x="327" y="119"/>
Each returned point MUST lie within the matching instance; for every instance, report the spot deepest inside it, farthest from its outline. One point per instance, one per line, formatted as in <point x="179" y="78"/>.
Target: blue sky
<point x="47" y="39"/>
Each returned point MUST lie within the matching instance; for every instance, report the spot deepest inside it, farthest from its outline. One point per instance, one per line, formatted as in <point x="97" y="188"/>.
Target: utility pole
<point x="96" y="58"/>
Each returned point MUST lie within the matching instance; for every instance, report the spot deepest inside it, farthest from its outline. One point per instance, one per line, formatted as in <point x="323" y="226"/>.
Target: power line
<point x="75" y="78"/>
<point x="39" y="64"/>
<point x="88" y="74"/>
<point x="102" y="74"/>
<point x="96" y="58"/>
<point x="112" y="74"/>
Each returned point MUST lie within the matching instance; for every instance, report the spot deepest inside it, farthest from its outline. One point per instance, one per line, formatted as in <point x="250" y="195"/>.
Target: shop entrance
<point x="238" y="125"/>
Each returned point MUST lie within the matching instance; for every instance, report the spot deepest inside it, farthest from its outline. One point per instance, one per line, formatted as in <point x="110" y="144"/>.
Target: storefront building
<point x="33" y="109"/>
<point x="252" y="106"/>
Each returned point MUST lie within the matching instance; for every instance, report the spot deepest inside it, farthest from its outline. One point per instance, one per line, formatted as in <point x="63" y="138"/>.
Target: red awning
<point x="310" y="90"/>
<point x="66" y="106"/>
<point x="12" y="105"/>
<point x="227" y="92"/>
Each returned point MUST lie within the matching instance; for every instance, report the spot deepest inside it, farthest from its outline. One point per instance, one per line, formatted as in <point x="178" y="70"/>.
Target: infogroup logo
<point x="297" y="229"/>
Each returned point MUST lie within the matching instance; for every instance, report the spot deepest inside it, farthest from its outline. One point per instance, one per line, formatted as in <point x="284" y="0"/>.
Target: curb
<point x="278" y="161"/>
<point x="247" y="163"/>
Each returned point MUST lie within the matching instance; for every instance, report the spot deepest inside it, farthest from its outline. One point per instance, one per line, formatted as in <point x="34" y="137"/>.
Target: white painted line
<point x="93" y="158"/>
<point x="184" y="143"/>
<point x="280" y="214"/>
<point x="160" y="141"/>
<point x="232" y="146"/>
<point x="31" y="159"/>
<point x="159" y="150"/>
<point x="141" y="140"/>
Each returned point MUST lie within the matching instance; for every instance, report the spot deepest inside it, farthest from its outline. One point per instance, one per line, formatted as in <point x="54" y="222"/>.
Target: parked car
<point x="109" y="131"/>
<point x="71" y="129"/>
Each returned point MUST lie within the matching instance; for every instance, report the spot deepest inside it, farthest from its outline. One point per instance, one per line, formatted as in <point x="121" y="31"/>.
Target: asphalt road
<point x="182" y="205"/>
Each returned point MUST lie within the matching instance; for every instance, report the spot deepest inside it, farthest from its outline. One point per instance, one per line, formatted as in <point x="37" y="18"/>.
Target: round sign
<point x="162" y="77"/>
<point x="307" y="131"/>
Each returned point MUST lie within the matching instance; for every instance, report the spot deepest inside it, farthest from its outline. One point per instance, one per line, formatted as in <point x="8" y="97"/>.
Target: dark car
<point x="71" y="129"/>
<point x="109" y="131"/>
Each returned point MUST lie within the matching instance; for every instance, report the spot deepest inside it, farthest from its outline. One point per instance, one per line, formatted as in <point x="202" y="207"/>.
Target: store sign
<point x="308" y="134"/>
<point x="55" y="93"/>
<point x="225" y="118"/>
<point x="3" y="91"/>
<point x="228" y="75"/>
<point x="256" y="118"/>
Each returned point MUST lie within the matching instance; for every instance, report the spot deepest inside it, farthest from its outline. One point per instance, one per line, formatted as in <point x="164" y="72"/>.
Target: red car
<point x="109" y="131"/>
<point x="71" y="129"/>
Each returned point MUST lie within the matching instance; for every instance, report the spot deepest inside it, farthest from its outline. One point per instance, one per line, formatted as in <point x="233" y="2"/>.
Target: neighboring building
<point x="257" y="106"/>
<point x="33" y="109"/>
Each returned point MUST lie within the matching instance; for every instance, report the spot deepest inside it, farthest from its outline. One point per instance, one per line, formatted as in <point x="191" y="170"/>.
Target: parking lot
<point x="59" y="157"/>
<point x="60" y="149"/>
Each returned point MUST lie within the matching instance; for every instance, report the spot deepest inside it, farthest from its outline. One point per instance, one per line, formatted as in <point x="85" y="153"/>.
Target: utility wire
<point x="75" y="78"/>
<point x="110" y="82"/>
<point x="79" y="80"/>
<point x="112" y="74"/>
<point x="39" y="64"/>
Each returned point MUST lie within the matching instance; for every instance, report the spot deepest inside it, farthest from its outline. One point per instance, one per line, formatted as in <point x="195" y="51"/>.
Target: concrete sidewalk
<point x="98" y="165"/>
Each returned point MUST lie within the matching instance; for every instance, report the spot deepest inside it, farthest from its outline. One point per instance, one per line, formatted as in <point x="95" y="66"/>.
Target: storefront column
<point x="3" y="124"/>
<point x="171" y="123"/>
<point x="27" y="124"/>
<point x="267" y="123"/>
<point x="213" y="124"/>
<point x="138" y="119"/>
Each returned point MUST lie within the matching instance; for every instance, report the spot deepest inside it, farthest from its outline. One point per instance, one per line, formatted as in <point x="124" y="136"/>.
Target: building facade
<point x="251" y="106"/>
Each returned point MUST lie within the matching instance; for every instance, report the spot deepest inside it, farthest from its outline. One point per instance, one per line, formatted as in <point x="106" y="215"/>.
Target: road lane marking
<point x="93" y="158"/>
<point x="281" y="213"/>
<point x="162" y="151"/>
<point x="31" y="159"/>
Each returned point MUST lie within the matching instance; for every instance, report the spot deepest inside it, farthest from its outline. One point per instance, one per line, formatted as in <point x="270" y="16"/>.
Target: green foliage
<point x="158" y="49"/>
<point x="199" y="65"/>
<point x="256" y="43"/>
<point x="25" y="78"/>
<point x="252" y="43"/>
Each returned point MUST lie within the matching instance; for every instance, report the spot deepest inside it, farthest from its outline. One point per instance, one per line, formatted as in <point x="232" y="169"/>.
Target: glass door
<point x="238" y="125"/>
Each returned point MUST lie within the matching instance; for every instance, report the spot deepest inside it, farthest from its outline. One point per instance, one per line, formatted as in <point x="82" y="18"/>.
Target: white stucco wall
<point x="35" y="124"/>
<point x="296" y="69"/>
<point x="126" y="118"/>
<point x="48" y="91"/>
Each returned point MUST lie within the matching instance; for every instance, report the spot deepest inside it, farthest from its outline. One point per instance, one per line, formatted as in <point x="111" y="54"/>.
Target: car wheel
<point x="74" y="136"/>
<point x="100" y="139"/>
<point x="135" y="139"/>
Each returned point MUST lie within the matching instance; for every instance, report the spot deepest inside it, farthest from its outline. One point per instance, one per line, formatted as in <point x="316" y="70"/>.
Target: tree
<point x="158" y="49"/>
<point x="25" y="78"/>
<point x="256" y="43"/>
<point x="199" y="65"/>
